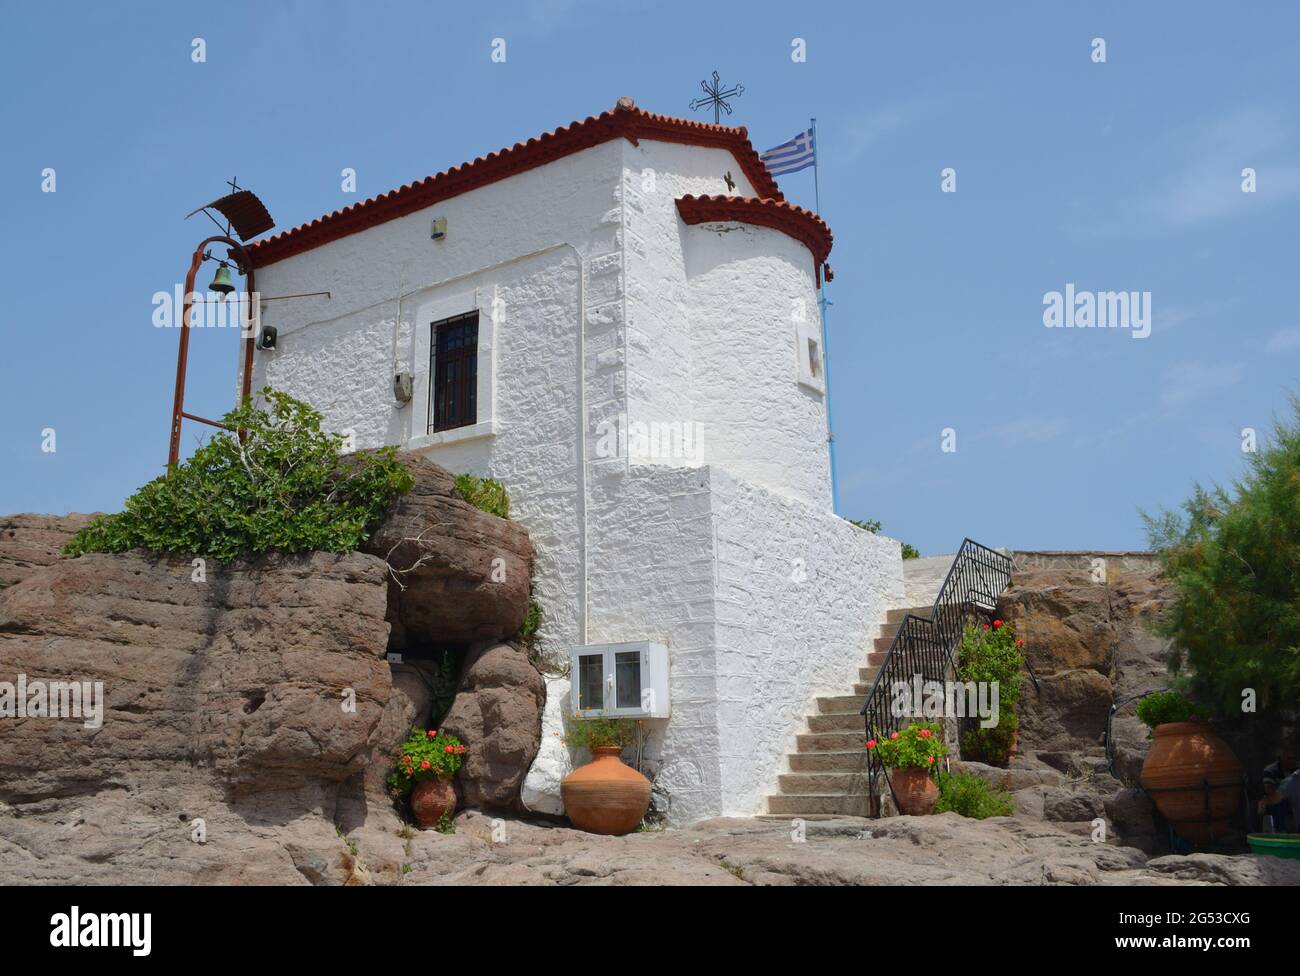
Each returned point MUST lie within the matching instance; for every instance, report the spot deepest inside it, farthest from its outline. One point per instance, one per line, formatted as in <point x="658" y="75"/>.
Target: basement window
<point x="453" y="364"/>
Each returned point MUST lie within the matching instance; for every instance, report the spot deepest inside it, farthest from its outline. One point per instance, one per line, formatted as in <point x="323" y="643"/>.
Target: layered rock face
<point x="1090" y="644"/>
<point x="250" y="698"/>
<point x="28" y="542"/>
<point x="236" y="721"/>
<point x="498" y="707"/>
<point x="462" y="575"/>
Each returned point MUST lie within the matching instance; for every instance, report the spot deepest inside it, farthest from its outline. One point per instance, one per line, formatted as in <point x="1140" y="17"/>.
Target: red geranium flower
<point x="424" y="764"/>
<point x="432" y="733"/>
<point x="926" y="733"/>
<point x="986" y="626"/>
<point x="930" y="760"/>
<point x="997" y="624"/>
<point x="1019" y="642"/>
<point x="870" y="743"/>
<point x="448" y="749"/>
<point x="893" y="735"/>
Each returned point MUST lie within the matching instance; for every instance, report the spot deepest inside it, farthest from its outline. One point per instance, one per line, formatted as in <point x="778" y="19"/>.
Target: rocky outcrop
<point x="462" y="574"/>
<point x="28" y="542"/>
<point x="498" y="707"/>
<point x="938" y="850"/>
<point x="240" y="707"/>
<point x="248" y="715"/>
<point x="270" y="673"/>
<point x="1090" y="643"/>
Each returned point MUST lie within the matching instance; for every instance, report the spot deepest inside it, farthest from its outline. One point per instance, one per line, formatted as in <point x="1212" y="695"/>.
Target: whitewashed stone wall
<point x="801" y="594"/>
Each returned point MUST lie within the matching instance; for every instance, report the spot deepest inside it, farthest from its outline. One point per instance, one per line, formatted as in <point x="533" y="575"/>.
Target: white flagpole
<point x="826" y="348"/>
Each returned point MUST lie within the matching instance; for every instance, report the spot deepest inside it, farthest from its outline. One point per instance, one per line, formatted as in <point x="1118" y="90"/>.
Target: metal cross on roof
<point x="716" y="96"/>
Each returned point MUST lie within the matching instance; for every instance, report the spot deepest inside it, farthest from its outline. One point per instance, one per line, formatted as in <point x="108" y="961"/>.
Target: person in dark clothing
<point x="1280" y="769"/>
<point x="1280" y="799"/>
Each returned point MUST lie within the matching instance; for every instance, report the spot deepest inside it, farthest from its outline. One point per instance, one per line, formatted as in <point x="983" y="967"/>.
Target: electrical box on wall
<point x="403" y="387"/>
<point x="628" y="680"/>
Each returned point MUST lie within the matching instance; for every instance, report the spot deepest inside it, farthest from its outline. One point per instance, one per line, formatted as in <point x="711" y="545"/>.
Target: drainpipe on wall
<point x="582" y="439"/>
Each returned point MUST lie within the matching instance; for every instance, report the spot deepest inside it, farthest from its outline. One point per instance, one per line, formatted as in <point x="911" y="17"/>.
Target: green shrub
<point x="591" y="733"/>
<point x="973" y="797"/>
<point x="918" y="746"/>
<point x="1163" y="707"/>
<point x="485" y="494"/>
<point x="285" y="487"/>
<point x="992" y="653"/>
<point x="1232" y="557"/>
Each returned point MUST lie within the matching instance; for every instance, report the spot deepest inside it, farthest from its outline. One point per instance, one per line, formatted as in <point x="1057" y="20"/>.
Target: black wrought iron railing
<point x="926" y="646"/>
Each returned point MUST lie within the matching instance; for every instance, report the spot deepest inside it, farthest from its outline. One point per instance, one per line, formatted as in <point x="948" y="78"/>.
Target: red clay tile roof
<point x="803" y="225"/>
<point x="625" y="121"/>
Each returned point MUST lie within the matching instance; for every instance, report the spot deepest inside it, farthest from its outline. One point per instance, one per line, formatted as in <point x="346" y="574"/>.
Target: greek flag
<point x="790" y="157"/>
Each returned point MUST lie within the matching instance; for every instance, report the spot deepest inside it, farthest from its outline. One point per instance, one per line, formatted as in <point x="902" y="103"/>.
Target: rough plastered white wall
<point x="764" y="602"/>
<point x="654" y="578"/>
<point x="506" y="254"/>
<point x="801" y="593"/>
<point x="660" y="386"/>
<point x="711" y="325"/>
<point x="750" y="290"/>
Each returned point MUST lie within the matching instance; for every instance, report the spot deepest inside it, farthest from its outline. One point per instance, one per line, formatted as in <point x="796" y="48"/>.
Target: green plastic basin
<point x="1275" y="845"/>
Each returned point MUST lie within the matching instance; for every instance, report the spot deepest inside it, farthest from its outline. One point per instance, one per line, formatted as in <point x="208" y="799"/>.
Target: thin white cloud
<point x="1208" y="187"/>
<point x="1184" y="382"/>
<point x="864" y="130"/>
<point x="1282" y="340"/>
<point x="1030" y="430"/>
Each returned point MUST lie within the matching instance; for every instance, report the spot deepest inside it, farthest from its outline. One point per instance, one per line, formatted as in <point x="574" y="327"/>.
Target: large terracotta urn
<point x="1194" y="779"/>
<point x="605" y="796"/>
<point x="914" y="790"/>
<point x="431" y="800"/>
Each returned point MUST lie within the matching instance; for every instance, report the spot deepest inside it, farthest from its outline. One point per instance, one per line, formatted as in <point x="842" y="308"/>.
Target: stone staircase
<point x="827" y="774"/>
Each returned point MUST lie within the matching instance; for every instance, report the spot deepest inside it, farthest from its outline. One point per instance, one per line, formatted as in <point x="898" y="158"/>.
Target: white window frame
<point x="653" y="674"/>
<point x="438" y="308"/>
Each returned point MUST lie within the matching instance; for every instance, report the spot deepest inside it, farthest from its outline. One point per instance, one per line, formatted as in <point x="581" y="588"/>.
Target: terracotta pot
<point x="915" y="791"/>
<point x="431" y="799"/>
<point x="605" y="796"/>
<point x="1185" y="758"/>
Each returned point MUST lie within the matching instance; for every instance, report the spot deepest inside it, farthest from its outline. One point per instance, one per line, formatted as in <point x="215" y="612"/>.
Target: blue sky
<point x="1123" y="175"/>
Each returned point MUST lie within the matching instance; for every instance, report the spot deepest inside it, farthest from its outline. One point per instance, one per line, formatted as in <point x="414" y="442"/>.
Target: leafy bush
<point x="992" y="653"/>
<point x="1163" y="707"/>
<point x="593" y="733"/>
<point x="485" y="494"/>
<point x="426" y="754"/>
<point x="917" y="746"/>
<point x="284" y="487"/>
<point x="1232" y="558"/>
<point x="973" y="797"/>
